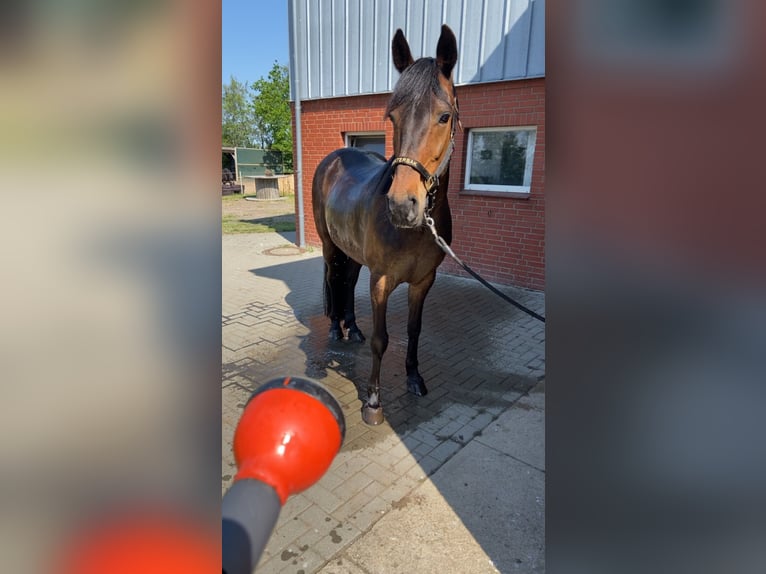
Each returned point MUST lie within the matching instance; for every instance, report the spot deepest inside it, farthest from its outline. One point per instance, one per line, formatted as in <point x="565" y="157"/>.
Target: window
<point x="369" y="142"/>
<point x="500" y="159"/>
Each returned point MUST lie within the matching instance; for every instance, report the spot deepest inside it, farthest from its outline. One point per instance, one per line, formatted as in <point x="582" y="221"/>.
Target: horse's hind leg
<point x="416" y="296"/>
<point x="349" y="317"/>
<point x="335" y="291"/>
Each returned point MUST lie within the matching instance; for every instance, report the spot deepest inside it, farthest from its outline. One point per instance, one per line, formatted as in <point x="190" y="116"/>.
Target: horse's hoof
<point x="355" y="335"/>
<point x="416" y="386"/>
<point x="372" y="416"/>
<point x="336" y="334"/>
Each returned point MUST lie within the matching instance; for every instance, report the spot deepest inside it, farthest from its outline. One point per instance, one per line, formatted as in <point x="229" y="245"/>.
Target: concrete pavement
<point x="451" y="482"/>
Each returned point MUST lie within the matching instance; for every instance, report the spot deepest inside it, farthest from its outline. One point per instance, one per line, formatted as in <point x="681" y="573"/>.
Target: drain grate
<point x="284" y="250"/>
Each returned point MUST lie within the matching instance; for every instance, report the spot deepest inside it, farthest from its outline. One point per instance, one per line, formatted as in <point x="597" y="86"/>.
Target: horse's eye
<point x="444" y="118"/>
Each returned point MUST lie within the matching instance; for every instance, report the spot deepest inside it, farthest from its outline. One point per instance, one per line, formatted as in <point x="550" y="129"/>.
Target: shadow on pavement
<point x="478" y="356"/>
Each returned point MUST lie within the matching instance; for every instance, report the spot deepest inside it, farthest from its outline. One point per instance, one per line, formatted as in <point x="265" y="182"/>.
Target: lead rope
<point x="446" y="248"/>
<point x="431" y="182"/>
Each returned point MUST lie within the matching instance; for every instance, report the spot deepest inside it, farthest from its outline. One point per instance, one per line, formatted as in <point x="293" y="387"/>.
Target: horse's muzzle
<point x="405" y="213"/>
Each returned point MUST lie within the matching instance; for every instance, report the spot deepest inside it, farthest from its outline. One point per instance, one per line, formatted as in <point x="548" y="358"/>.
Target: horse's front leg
<point x="380" y="288"/>
<point x="416" y="296"/>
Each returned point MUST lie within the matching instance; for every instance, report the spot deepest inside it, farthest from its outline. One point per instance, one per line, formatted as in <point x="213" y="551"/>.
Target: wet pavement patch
<point x="284" y="251"/>
<point x="416" y="499"/>
<point x="287" y="554"/>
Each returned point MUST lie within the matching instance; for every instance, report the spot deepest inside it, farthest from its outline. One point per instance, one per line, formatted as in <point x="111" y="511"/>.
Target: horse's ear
<point x="446" y="51"/>
<point x="401" y="52"/>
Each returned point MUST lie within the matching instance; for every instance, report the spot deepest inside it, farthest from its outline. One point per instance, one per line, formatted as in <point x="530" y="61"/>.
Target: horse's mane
<point x="416" y="84"/>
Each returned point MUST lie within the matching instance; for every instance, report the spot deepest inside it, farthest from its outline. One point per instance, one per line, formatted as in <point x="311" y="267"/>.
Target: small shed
<point x="253" y="171"/>
<point x="252" y="162"/>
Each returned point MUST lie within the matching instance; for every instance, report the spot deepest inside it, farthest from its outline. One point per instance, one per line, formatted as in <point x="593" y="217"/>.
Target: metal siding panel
<point x="299" y="58"/>
<point x="431" y="20"/>
<point x="366" y="47"/>
<point x="339" y="49"/>
<point x="326" y="47"/>
<point x="432" y="26"/>
<point x="452" y="16"/>
<point x="305" y="49"/>
<point x="398" y="21"/>
<point x="399" y="15"/>
<point x="293" y="67"/>
<point x="382" y="46"/>
<point x="344" y="46"/>
<point x="471" y="41"/>
<point x="414" y="31"/>
<point x="352" y="55"/>
<point x="452" y="12"/>
<point x="536" y="59"/>
<point x="492" y="41"/>
<point x="517" y="39"/>
<point x="313" y="61"/>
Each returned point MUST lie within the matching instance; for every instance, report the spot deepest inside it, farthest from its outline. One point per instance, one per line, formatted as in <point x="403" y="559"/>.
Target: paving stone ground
<point x="481" y="424"/>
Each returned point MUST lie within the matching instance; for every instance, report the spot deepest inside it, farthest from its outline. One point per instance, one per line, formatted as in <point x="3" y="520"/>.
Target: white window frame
<point x="502" y="189"/>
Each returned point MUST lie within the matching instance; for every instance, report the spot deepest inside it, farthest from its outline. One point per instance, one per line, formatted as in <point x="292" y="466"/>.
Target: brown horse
<point x="373" y="212"/>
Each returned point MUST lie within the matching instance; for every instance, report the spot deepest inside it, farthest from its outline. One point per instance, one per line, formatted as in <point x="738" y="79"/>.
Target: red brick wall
<point x="502" y="238"/>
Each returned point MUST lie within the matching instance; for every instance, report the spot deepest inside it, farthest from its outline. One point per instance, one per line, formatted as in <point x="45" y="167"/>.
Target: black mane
<point x="416" y="84"/>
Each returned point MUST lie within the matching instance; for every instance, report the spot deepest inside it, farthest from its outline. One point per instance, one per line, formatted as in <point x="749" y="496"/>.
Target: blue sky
<point x="254" y="36"/>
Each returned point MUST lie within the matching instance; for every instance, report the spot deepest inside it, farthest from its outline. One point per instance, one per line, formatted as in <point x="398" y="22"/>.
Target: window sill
<point x="508" y="194"/>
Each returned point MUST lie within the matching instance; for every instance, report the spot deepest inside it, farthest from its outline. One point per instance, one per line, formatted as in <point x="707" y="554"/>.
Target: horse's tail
<point x="327" y="291"/>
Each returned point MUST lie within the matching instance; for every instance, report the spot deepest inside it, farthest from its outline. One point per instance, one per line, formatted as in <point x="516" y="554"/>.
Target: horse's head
<point x="423" y="109"/>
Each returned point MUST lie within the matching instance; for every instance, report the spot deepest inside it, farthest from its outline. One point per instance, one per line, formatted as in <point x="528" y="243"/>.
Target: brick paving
<point x="478" y="356"/>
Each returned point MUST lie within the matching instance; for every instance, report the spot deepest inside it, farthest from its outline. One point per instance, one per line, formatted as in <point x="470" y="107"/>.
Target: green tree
<point x="237" y="124"/>
<point x="271" y="112"/>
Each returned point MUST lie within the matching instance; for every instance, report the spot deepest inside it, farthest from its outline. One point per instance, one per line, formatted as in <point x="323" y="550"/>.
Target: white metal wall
<point x="344" y="46"/>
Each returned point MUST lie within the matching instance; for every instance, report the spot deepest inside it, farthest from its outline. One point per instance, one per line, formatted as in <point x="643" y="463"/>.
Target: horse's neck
<point x="441" y="204"/>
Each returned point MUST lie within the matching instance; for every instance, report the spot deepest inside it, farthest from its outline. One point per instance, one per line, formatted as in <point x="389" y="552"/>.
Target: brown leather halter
<point x="431" y="180"/>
